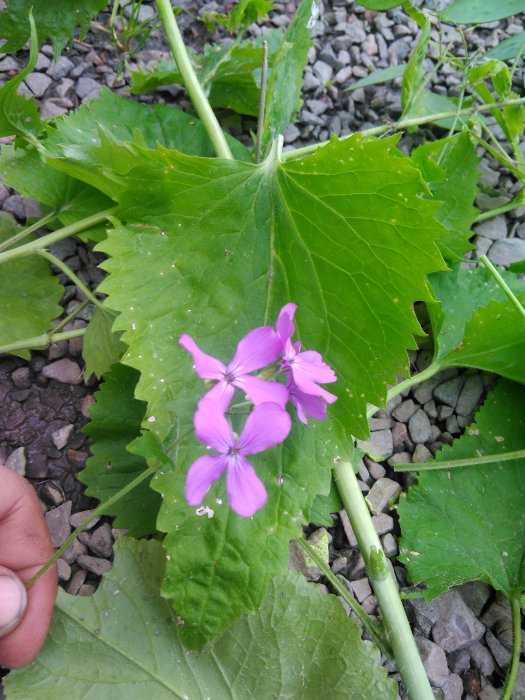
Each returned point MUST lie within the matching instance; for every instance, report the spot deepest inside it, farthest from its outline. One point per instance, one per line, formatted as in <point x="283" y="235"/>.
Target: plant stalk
<point x="69" y="273"/>
<point x="99" y="510"/>
<point x="45" y="241"/>
<point x="405" y="124"/>
<point x="395" y="621"/>
<point x="415" y="379"/>
<point x="491" y="213"/>
<point x="368" y="624"/>
<point x="195" y="91"/>
<point x="41" y="341"/>
<point x="262" y="103"/>
<point x="510" y="680"/>
<point x="499" y="279"/>
<point x="455" y="463"/>
<point x="27" y="231"/>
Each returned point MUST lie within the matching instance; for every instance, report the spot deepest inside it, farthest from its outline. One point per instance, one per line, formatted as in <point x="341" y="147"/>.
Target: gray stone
<point x="93" y="564"/>
<point x="445" y="412"/>
<point x="37" y="467"/>
<point x="376" y="470"/>
<point x="87" y="589"/>
<point x="20" y="207"/>
<point x="475" y="594"/>
<point x="459" y="661"/>
<point x="361" y="589"/>
<point x="8" y="64"/>
<point x="65" y="371"/>
<point x="497" y="610"/>
<point x="457" y="626"/>
<point x="400" y="458"/>
<point x="430" y="409"/>
<point x="482" y="659"/>
<point x="507" y="251"/>
<point x="64" y="570"/>
<point x="489" y="693"/>
<point x="61" y="68"/>
<point x="389" y="545"/>
<point x="379" y="423"/>
<point x="419" y="427"/>
<point x="355" y="32"/>
<point x="452" y="688"/>
<point x="61" y="436"/>
<point x="53" y="107"/>
<point x="76" y="582"/>
<point x="52" y="493"/>
<point x="486" y="202"/>
<point x="452" y="425"/>
<point x="448" y="392"/>
<point x="38" y="83"/>
<point x="347" y="527"/>
<point x="101" y="541"/>
<point x="405" y="410"/>
<point x="57" y="521"/>
<point x="382" y="492"/>
<point x="323" y="71"/>
<point x="380" y="446"/>
<point x="16" y="461"/>
<point x="383" y="523"/>
<point x="423" y="392"/>
<point x="499" y="652"/>
<point x="86" y="86"/>
<point x="78" y="518"/>
<point x="291" y="134"/>
<point x="482" y="245"/>
<point x="421" y="454"/>
<point x="399" y="434"/>
<point x="75" y="550"/>
<point x="494" y="229"/>
<point x="434" y="661"/>
<point x="22" y="377"/>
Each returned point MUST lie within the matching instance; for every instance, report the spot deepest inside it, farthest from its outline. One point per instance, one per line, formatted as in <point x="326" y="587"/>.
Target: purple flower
<point x="257" y="349"/>
<point x="305" y="370"/>
<point x="266" y="426"/>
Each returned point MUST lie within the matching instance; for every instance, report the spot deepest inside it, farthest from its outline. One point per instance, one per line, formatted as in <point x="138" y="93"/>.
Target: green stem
<point x="69" y="273"/>
<point x="41" y="341"/>
<point x="415" y="379"/>
<point x="405" y="124"/>
<point x="262" y="102"/>
<point x="195" y="91"/>
<point x="99" y="510"/>
<point x="499" y="279"/>
<point x="455" y="463"/>
<point x="27" y="231"/>
<point x="63" y="322"/>
<point x="385" y="588"/>
<point x="45" y="241"/>
<point x="373" y="628"/>
<point x="510" y="680"/>
<point x="518" y="201"/>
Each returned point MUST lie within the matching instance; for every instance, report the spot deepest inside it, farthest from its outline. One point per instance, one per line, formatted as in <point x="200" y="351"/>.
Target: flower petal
<point x="206" y="366"/>
<point x="307" y="406"/>
<point x="211" y="426"/>
<point x="262" y="391"/>
<point x="221" y="394"/>
<point x="201" y="475"/>
<point x="285" y="326"/>
<point x="306" y="373"/>
<point x="266" y="426"/>
<point x="257" y="349"/>
<point x="246" y="491"/>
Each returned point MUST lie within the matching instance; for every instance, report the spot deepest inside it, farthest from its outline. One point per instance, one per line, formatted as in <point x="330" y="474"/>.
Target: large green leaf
<point x="19" y="114"/>
<point x="54" y="19"/>
<point x="29" y="294"/>
<point x="214" y="248"/>
<point x="469" y="523"/>
<point x="283" y="99"/>
<point x="102" y="347"/>
<point x="475" y="325"/>
<point x="115" y="422"/>
<point x="122" y="644"/>
<point x="480" y="11"/>
<point x="509" y="48"/>
<point x="450" y="168"/>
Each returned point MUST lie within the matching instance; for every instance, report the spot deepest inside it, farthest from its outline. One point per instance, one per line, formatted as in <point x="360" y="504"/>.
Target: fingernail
<point x="13" y="601"/>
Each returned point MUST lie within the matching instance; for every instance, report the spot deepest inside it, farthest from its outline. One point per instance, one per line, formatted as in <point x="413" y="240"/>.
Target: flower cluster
<point x="268" y="424"/>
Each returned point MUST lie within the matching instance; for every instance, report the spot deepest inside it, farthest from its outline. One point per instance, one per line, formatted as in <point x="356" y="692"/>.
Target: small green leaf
<point x="29" y="294"/>
<point x="453" y="181"/>
<point x="469" y="523"/>
<point x="55" y="19"/>
<point x="509" y="48"/>
<point x="19" y="114"/>
<point x="380" y="4"/>
<point x="115" y="422"/>
<point x="480" y="11"/>
<point x="300" y="644"/>
<point x="286" y="79"/>
<point x="324" y="506"/>
<point x="475" y="325"/>
<point x="429" y="104"/>
<point x="102" y="347"/>
<point x="245" y="13"/>
<point x="415" y="71"/>
<point x="383" y="75"/>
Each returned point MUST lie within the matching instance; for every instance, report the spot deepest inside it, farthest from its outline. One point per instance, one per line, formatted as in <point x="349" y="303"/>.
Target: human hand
<point x="24" y="547"/>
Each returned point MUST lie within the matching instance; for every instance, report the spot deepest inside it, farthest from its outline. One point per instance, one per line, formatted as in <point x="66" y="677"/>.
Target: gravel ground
<point x="464" y="636"/>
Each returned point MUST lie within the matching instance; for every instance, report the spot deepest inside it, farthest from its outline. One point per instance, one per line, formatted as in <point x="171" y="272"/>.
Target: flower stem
<point x="415" y="379"/>
<point x="405" y="124"/>
<point x="262" y="102"/>
<point x="454" y="463"/>
<point x="69" y="273"/>
<point x="510" y="680"/>
<point x="45" y="241"/>
<point x="99" y="510"/>
<point x="401" y="639"/>
<point x="27" y="231"/>
<point x="373" y="628"/>
<point x="41" y="341"/>
<point x="195" y="91"/>
<point x="499" y="279"/>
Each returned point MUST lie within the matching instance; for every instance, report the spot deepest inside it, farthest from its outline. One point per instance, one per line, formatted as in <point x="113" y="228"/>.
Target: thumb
<point x="13" y="601"/>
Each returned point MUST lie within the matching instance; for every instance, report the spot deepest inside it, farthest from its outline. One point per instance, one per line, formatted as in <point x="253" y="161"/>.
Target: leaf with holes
<point x="29" y="295"/>
<point x="450" y="169"/>
<point x="469" y="523"/>
<point x="127" y="632"/>
<point x="115" y="422"/>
